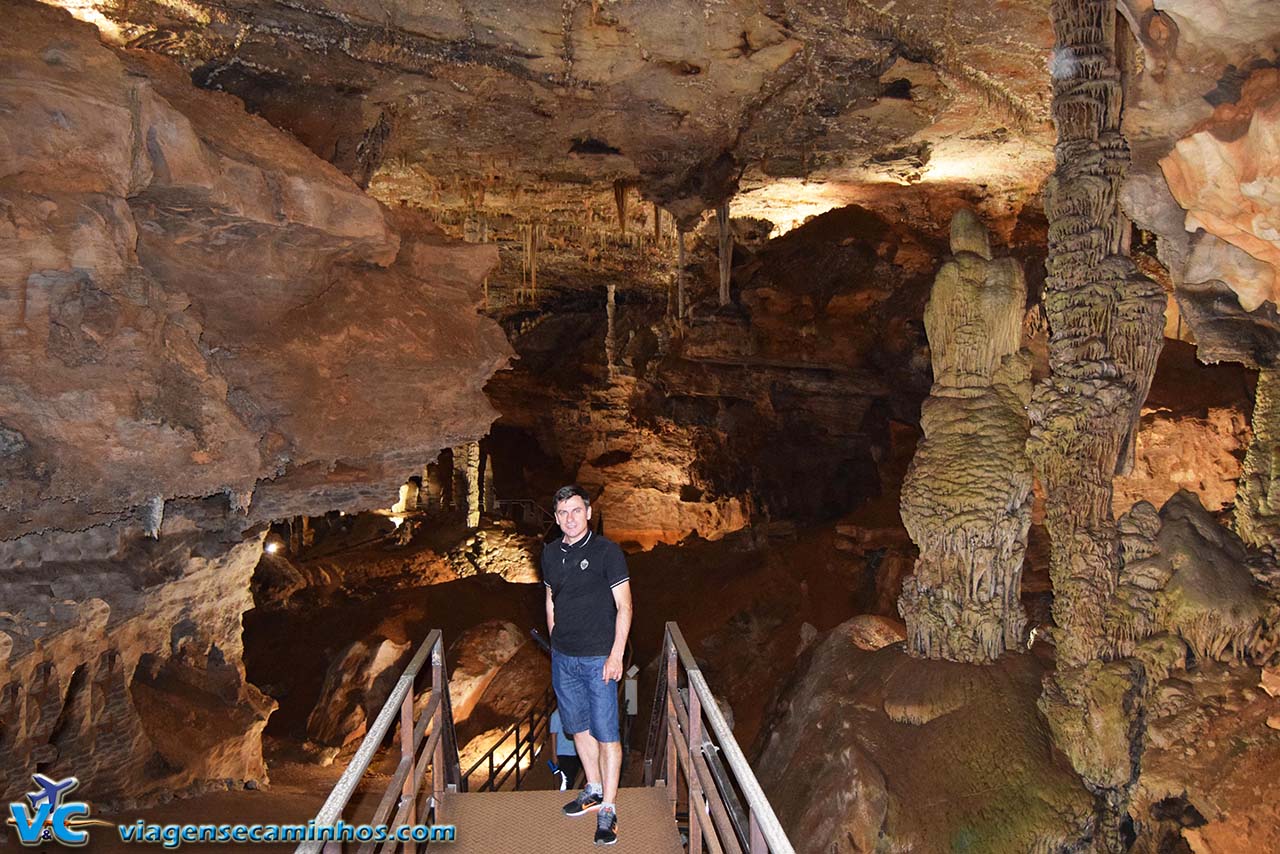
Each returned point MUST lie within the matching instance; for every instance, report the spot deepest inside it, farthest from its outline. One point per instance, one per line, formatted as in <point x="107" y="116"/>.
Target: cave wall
<point x="205" y="328"/>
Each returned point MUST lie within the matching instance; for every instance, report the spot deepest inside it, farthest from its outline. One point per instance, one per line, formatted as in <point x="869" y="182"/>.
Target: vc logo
<point x="49" y="819"/>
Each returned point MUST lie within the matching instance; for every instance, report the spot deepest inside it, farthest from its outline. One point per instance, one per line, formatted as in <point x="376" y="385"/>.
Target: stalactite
<point x="611" y="292"/>
<point x="620" y="201"/>
<point x="153" y="516"/>
<point x="726" y="250"/>
<point x="679" y="275"/>
<point x="657" y="224"/>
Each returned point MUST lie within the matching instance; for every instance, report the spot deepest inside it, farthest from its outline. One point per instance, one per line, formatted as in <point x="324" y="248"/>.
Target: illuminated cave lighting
<point x="84" y="10"/>
<point x="396" y="520"/>
<point x="272" y="546"/>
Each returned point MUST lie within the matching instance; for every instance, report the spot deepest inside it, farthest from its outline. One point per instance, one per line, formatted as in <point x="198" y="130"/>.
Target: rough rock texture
<point x="1257" y="517"/>
<point x="1201" y="76"/>
<point x="478" y="655"/>
<point x="359" y="680"/>
<point x="1193" y="433"/>
<point x="966" y="500"/>
<point x="1105" y="321"/>
<point x="499" y="551"/>
<point x="878" y="722"/>
<point x="1211" y="770"/>
<point x="557" y="101"/>
<point x="1222" y="174"/>
<point x="187" y="280"/>
<point x="1187" y="575"/>
<point x="121" y="661"/>
<point x="205" y="328"/>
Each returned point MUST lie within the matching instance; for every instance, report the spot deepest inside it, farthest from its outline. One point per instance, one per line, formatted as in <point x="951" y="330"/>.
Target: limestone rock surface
<point x="204" y="327"/>
<point x="966" y="500"/>
<point x="356" y="686"/>
<point x="846" y="766"/>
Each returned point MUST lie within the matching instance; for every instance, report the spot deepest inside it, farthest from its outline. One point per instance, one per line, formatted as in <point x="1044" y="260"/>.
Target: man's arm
<point x="551" y="614"/>
<point x="621" y="628"/>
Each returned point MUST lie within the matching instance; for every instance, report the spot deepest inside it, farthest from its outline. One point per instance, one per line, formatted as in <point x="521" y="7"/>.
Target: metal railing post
<point x="672" y="728"/>
<point x="696" y="818"/>
<point x="438" y="688"/>
<point x="758" y="845"/>
<point x="407" y="794"/>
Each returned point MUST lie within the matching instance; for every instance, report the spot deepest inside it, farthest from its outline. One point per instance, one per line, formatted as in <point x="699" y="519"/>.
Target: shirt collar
<point x="564" y="547"/>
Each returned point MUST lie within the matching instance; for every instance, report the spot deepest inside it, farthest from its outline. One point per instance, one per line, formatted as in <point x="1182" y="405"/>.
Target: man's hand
<point x="613" y="668"/>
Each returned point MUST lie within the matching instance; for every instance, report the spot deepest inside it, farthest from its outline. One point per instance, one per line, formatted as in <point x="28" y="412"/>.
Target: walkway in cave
<point x="520" y="822"/>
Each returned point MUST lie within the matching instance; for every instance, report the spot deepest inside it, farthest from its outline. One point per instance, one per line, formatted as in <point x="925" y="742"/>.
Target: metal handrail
<point x="679" y="734"/>
<point x="539" y="725"/>
<point x="439" y="750"/>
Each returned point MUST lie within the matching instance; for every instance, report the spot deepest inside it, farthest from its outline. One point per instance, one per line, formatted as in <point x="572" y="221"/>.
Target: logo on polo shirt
<point x="584" y="564"/>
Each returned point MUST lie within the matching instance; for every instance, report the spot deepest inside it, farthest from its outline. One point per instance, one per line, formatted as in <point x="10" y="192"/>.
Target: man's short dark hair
<point x="564" y="493"/>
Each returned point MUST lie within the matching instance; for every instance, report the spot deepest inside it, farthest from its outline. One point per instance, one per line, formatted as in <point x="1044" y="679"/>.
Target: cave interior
<point x="923" y="359"/>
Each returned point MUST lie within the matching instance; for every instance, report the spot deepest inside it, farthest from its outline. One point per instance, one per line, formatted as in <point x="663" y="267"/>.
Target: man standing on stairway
<point x="588" y="619"/>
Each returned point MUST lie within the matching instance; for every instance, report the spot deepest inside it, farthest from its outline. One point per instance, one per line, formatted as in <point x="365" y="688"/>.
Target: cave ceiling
<point x="534" y="110"/>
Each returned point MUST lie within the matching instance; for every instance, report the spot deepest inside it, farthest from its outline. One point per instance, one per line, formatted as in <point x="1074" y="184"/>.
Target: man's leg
<point x="610" y="768"/>
<point x="589" y="754"/>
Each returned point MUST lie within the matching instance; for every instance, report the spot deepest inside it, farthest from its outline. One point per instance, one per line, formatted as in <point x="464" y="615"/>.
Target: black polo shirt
<point x="581" y="578"/>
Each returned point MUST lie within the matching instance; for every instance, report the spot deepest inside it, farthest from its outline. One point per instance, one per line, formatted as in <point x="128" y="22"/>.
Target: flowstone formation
<point x="1106" y="322"/>
<point x="966" y="500"/>
<point x="204" y="328"/>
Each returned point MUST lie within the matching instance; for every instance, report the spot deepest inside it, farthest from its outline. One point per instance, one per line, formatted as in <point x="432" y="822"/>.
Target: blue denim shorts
<point x="586" y="701"/>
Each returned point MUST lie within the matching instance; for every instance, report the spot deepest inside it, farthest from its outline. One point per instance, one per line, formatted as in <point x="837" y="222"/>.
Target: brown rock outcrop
<point x="1222" y="173"/>
<point x="356" y="686"/>
<point x="205" y="328"/>
<point x="854" y="748"/>
<point x="966" y="500"/>
<point x="112" y="645"/>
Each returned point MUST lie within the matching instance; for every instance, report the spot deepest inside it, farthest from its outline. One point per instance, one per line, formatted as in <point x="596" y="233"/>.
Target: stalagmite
<point x="473" y="484"/>
<point x="966" y="500"/>
<point x="1257" y="515"/>
<point x="490" y="498"/>
<point x="726" y="250"/>
<point x="1105" y="321"/>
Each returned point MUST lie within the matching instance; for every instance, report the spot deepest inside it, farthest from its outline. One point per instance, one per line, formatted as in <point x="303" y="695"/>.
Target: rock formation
<point x="880" y="721"/>
<point x="1257" y="517"/>
<point x="356" y="686"/>
<point x="1105" y="321"/>
<point x="966" y="500"/>
<point x="1221" y="174"/>
<point x="206" y="328"/>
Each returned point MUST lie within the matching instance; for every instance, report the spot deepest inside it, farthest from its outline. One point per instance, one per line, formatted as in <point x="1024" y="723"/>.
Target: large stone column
<point x="473" y="484"/>
<point x="1105" y="323"/>
<point x="1257" y="516"/>
<point x="966" y="500"/>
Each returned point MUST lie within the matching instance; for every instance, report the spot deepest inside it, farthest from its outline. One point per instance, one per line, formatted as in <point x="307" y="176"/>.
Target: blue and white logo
<point x="52" y="818"/>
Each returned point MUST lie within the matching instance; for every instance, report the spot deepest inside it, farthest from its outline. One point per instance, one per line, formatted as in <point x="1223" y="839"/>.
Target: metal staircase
<point x="699" y="793"/>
